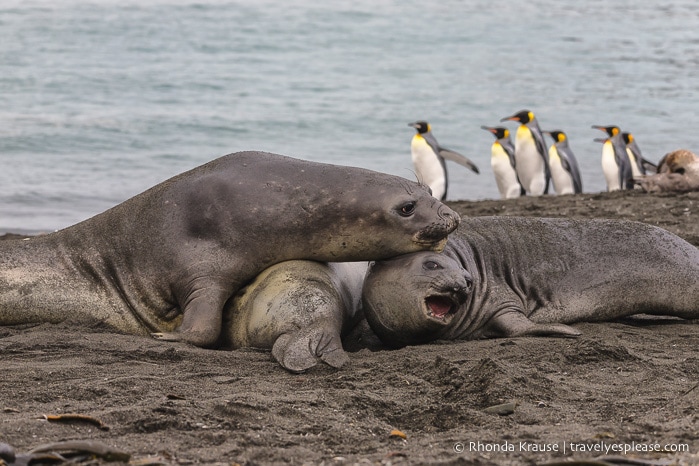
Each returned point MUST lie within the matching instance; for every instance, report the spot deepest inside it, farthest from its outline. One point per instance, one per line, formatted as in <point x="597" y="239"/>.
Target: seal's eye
<point x="408" y="209"/>
<point x="431" y="265"/>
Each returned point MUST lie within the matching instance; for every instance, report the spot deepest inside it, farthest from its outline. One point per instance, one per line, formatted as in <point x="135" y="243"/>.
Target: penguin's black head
<point x="421" y="126"/>
<point x="557" y="135"/>
<point x="523" y="116"/>
<point x="610" y="130"/>
<point x="498" y="131"/>
<point x="628" y="137"/>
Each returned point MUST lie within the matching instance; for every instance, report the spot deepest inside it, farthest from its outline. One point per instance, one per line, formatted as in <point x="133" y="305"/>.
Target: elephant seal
<point x="168" y="259"/>
<point x="300" y="310"/>
<point x="508" y="276"/>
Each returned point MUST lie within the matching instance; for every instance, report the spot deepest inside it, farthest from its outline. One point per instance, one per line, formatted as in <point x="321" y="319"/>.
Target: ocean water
<point x="99" y="100"/>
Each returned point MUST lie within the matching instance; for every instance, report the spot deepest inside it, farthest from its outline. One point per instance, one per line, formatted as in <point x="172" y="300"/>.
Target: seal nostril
<point x="469" y="284"/>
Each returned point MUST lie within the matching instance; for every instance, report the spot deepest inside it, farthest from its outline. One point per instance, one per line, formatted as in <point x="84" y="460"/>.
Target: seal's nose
<point x="469" y="283"/>
<point x="449" y="216"/>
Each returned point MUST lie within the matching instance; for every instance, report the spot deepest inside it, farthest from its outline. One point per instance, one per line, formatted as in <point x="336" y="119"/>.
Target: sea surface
<point x="99" y="100"/>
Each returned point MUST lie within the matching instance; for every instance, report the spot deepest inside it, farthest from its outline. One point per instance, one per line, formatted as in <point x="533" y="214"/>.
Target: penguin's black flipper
<point x="649" y="166"/>
<point x="538" y="137"/>
<point x="458" y="158"/>
<point x="571" y="166"/>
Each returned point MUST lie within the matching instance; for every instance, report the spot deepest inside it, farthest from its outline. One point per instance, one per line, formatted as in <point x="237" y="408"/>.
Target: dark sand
<point x="630" y="384"/>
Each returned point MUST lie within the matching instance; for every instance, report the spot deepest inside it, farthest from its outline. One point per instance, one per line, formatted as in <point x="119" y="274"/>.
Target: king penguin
<point x="639" y="165"/>
<point x="502" y="160"/>
<point x="530" y="154"/>
<point x="428" y="159"/>
<point x="615" y="161"/>
<point x="610" y="169"/>
<point x="565" y="173"/>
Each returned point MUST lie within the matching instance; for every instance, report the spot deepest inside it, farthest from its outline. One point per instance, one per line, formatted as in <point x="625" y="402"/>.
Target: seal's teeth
<point x="441" y="318"/>
<point x="439" y="306"/>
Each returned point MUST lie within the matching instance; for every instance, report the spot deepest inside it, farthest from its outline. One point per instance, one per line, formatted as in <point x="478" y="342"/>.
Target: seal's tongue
<point x="438" y="305"/>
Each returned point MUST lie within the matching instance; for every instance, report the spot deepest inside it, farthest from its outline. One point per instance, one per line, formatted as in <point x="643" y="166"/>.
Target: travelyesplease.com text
<point x="570" y="447"/>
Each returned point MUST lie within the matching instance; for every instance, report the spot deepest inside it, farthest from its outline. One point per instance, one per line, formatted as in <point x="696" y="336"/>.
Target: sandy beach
<point x="628" y="388"/>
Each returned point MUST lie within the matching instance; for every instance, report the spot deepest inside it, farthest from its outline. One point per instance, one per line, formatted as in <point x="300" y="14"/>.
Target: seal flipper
<point x="516" y="324"/>
<point x="300" y="350"/>
<point x="201" y="323"/>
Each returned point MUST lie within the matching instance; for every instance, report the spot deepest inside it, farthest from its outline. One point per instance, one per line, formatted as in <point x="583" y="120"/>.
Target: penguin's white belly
<point x="635" y="171"/>
<point x="505" y="176"/>
<point x="562" y="181"/>
<point x="429" y="169"/>
<point x="610" y="167"/>
<point x="530" y="166"/>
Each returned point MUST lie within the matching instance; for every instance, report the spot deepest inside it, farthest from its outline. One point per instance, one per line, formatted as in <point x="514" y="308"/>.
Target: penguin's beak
<point x="414" y="124"/>
<point x="601" y="128"/>
<point x="512" y="118"/>
<point x="487" y="128"/>
<point x="602" y="140"/>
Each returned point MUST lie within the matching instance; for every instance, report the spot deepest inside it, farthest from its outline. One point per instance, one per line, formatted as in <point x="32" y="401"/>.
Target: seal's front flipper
<point x="202" y="317"/>
<point x="300" y="350"/>
<point x="205" y="338"/>
<point x="516" y="324"/>
<point x="166" y="336"/>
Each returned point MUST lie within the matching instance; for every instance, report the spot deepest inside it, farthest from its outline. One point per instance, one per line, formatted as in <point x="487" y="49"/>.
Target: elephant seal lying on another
<point x="167" y="260"/>
<point x="508" y="276"/>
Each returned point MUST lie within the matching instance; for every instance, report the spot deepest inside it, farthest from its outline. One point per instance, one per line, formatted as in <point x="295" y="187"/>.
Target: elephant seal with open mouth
<point x="508" y="276"/>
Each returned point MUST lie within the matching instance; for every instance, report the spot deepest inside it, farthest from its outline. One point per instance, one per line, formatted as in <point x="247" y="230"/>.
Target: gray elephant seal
<point x="167" y="260"/>
<point x="507" y="276"/>
<point x="298" y="309"/>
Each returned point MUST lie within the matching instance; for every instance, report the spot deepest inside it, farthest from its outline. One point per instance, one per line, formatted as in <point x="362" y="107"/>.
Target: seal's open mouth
<point x="441" y="307"/>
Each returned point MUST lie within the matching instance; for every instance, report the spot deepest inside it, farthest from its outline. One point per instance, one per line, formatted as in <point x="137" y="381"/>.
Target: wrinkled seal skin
<point x="167" y="260"/>
<point x="508" y="276"/>
<point x="298" y="309"/>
